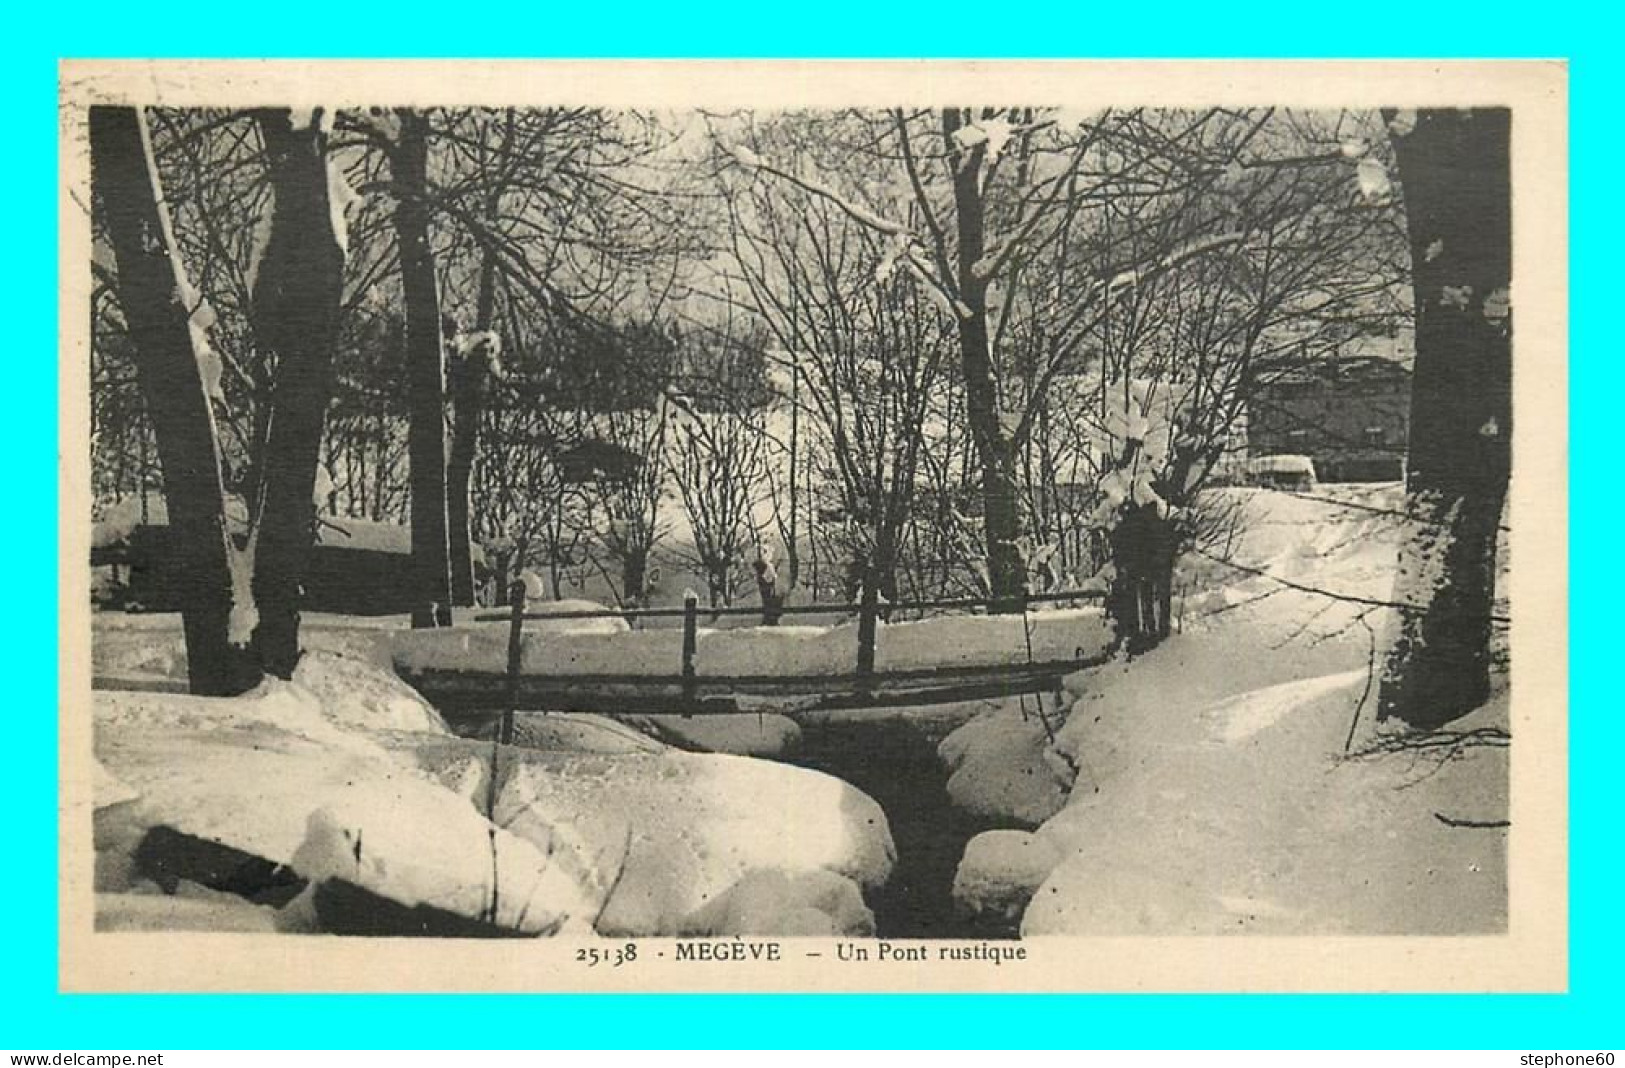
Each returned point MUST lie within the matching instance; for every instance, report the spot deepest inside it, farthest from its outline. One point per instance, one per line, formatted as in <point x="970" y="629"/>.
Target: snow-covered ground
<point x="1230" y="780"/>
<point x="1213" y="792"/>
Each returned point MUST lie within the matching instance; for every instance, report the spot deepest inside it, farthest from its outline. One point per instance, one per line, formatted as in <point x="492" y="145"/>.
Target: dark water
<point x="894" y="760"/>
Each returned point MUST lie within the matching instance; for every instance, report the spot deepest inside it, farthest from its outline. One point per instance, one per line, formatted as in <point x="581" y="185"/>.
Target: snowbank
<point x="1213" y="793"/>
<point x="1002" y="766"/>
<point x="560" y="647"/>
<point x="966" y="641"/>
<point x="1239" y="813"/>
<point x="138" y="658"/>
<point x="603" y="625"/>
<point x="122" y="517"/>
<point x="353" y="693"/>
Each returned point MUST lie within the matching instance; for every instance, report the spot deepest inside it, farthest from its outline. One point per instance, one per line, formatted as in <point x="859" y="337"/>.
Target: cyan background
<point x="33" y="1015"/>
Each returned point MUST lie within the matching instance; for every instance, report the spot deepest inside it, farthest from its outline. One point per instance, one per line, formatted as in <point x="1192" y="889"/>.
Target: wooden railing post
<point x="691" y="627"/>
<point x="516" y="656"/>
<point x="868" y="610"/>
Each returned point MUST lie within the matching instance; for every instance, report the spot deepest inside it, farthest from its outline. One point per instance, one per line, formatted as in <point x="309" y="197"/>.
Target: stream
<point x="892" y="757"/>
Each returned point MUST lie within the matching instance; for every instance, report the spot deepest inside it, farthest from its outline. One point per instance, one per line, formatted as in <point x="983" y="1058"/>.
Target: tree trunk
<point x="1455" y="170"/>
<point x="296" y="311"/>
<point x="635" y="576"/>
<point x="1000" y="515"/>
<point x="152" y="290"/>
<point x="426" y="378"/>
<point x="470" y="380"/>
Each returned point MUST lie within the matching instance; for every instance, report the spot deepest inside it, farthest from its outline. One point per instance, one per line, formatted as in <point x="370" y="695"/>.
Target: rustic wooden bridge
<point x="685" y="691"/>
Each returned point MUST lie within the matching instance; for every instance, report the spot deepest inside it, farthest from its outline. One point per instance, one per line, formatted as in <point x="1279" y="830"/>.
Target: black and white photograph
<point x="800" y="525"/>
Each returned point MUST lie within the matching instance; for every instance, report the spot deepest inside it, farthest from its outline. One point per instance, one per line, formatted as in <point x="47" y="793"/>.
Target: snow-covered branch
<point x="872" y="219"/>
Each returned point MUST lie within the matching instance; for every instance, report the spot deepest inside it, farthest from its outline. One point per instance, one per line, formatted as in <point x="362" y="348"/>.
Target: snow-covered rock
<point x="261" y="791"/>
<point x="786" y="904"/>
<point x="1002" y="767"/>
<point x="681" y="830"/>
<point x="431" y="849"/>
<point x="1000" y="872"/>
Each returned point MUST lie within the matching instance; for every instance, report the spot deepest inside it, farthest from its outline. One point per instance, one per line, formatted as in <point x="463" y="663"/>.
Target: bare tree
<point x="868" y="347"/>
<point x="296" y="310"/>
<point x="426" y="374"/>
<point x="631" y="499"/>
<point x="153" y="291"/>
<point x="236" y="625"/>
<point x="717" y="464"/>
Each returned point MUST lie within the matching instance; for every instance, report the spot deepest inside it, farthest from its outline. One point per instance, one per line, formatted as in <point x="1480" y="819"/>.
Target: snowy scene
<point x="961" y="523"/>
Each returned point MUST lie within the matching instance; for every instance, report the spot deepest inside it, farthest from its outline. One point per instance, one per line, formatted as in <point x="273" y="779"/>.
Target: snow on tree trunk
<point x="426" y="377"/>
<point x="154" y="294"/>
<point x="296" y="312"/>
<point x="470" y="381"/>
<point x="468" y="401"/>
<point x="1007" y="573"/>
<point x="468" y="389"/>
<point x="1454" y="167"/>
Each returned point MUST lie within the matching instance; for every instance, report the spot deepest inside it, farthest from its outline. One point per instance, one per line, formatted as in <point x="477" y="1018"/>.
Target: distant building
<point x="1350" y="414"/>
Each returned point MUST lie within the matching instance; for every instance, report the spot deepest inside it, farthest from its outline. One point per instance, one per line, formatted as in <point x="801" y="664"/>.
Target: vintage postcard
<point x="813" y="526"/>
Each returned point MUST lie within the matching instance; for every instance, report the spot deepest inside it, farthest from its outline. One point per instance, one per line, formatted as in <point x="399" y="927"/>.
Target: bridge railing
<point x="816" y="608"/>
<point x="869" y="609"/>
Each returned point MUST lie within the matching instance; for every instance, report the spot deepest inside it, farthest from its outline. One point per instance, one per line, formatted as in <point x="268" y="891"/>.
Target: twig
<point x="1443" y="746"/>
<point x="1360" y="617"/>
<point x="1371" y="673"/>
<point x="1451" y="821"/>
<point x="496" y="895"/>
<point x="1027" y="635"/>
<point x="1233" y="605"/>
<point x="1347" y="597"/>
<point x="1302" y="628"/>
<point x="1332" y="502"/>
